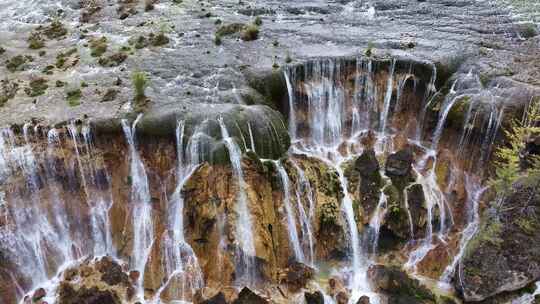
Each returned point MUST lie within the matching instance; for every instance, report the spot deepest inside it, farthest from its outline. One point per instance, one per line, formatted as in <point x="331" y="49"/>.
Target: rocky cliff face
<point x="246" y="168"/>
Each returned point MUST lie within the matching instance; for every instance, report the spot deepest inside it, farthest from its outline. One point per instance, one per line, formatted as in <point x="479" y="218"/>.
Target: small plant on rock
<point x="250" y="33"/>
<point x="140" y="83"/>
<point x="73" y="97"/>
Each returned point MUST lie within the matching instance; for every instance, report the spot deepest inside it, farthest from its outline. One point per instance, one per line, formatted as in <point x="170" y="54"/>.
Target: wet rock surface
<point x="504" y="255"/>
<point x="398" y="286"/>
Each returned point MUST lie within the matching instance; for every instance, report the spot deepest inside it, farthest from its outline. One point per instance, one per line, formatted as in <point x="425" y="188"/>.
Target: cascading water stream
<point x="291" y="218"/>
<point x="387" y="97"/>
<point x="244" y="227"/>
<point x="304" y="189"/>
<point x="143" y="231"/>
<point x="475" y="191"/>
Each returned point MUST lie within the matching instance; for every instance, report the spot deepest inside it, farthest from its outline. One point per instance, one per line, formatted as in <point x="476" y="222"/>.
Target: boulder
<point x="527" y="154"/>
<point x="247" y="296"/>
<point x="398" y="287"/>
<point x="368" y="168"/>
<point x="218" y="298"/>
<point x="363" y="300"/>
<point x="315" y="297"/>
<point x="95" y="282"/>
<point x="38" y="294"/>
<point x="399" y="163"/>
<point x="298" y="275"/>
<point x="505" y="253"/>
<point x="68" y="295"/>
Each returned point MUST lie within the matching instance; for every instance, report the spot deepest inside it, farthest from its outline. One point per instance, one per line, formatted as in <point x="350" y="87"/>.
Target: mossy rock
<point x="271" y="85"/>
<point x="504" y="255"/>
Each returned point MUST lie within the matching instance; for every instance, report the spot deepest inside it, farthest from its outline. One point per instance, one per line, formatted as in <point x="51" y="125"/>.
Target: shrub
<point x="35" y="41"/>
<point x="258" y="21"/>
<point x="507" y="164"/>
<point x="98" y="46"/>
<point x="250" y="33"/>
<point x="140" y="83"/>
<point x="74" y="97"/>
<point x="217" y="39"/>
<point x="369" y="50"/>
<point x="37" y="87"/>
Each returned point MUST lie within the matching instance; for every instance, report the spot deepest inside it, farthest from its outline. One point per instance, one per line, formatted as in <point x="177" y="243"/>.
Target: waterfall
<point x="406" y="203"/>
<point x="376" y="219"/>
<point x="304" y="189"/>
<point x="434" y="198"/>
<point x="443" y="113"/>
<point x="327" y="106"/>
<point x="291" y="220"/>
<point x="387" y="97"/>
<point x="141" y="202"/>
<point x="244" y="227"/>
<point x="474" y="191"/>
<point x="292" y="119"/>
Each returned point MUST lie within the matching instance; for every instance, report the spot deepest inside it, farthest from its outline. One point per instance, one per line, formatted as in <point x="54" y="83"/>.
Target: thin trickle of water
<point x="251" y="139"/>
<point x="443" y="114"/>
<point x="376" y="220"/>
<point x="474" y="191"/>
<point x="304" y="189"/>
<point x="291" y="218"/>
<point x="244" y="227"/>
<point x="387" y="98"/>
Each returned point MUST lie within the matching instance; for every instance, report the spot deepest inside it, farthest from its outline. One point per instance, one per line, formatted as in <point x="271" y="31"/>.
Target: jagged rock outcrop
<point x="98" y="282"/>
<point x="505" y="253"/>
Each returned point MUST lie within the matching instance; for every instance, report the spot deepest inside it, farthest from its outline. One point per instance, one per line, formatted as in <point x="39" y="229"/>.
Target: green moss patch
<point x="36" y="87"/>
<point x="74" y="97"/>
<point x="98" y="46"/>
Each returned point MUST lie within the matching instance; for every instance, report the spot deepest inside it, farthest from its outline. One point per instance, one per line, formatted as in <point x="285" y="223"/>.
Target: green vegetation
<point x="258" y="21"/>
<point x="73" y="97"/>
<point x="2" y="50"/>
<point x="140" y="83"/>
<point x="7" y="91"/>
<point x="55" y="30"/>
<point x="229" y="29"/>
<point x="369" y="50"/>
<point x="507" y="165"/>
<point x="62" y="57"/>
<point x="98" y="46"/>
<point x="217" y="40"/>
<point x="16" y="63"/>
<point x="527" y="225"/>
<point x="35" y="41"/>
<point x="114" y="60"/>
<point x="250" y="33"/>
<point x="37" y="87"/>
<point x="159" y="39"/>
